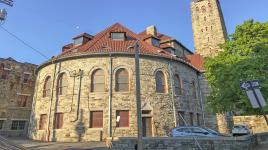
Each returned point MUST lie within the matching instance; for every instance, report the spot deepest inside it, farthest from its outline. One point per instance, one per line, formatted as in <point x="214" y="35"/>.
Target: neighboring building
<point x="80" y="93"/>
<point x="17" y="82"/>
<point x="208" y="27"/>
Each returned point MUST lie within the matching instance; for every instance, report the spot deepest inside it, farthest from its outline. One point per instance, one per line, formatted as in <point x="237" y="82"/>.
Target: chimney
<point x="151" y="30"/>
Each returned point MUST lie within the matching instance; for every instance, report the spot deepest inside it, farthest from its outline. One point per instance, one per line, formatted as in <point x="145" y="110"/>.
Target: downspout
<point x="79" y="95"/>
<point x="110" y="98"/>
<point x="172" y="93"/>
<point x="201" y="99"/>
<point x="50" y="105"/>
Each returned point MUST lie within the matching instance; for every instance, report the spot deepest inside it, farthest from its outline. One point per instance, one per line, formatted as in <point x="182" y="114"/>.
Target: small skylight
<point x="119" y="36"/>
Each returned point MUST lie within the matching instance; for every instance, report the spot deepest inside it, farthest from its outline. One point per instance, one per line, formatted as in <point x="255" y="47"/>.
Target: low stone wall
<point x="172" y="143"/>
<point x="262" y="137"/>
<point x="256" y="123"/>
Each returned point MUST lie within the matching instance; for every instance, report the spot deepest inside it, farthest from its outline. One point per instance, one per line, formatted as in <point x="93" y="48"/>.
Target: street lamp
<point x="3" y="15"/>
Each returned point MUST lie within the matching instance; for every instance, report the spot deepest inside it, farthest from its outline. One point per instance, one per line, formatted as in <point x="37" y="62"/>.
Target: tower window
<point x="197" y="8"/>
<point x="206" y="28"/>
<point x="119" y="36"/>
<point x="208" y="39"/>
<point x="211" y="27"/>
<point x="209" y="4"/>
<point x="203" y="9"/>
<point x="205" y="18"/>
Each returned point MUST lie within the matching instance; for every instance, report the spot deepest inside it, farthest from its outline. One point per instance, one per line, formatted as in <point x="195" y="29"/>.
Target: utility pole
<point x="138" y="95"/>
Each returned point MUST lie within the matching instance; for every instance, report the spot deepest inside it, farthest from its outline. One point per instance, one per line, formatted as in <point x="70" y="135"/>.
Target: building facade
<point x="17" y="82"/>
<point x="80" y="93"/>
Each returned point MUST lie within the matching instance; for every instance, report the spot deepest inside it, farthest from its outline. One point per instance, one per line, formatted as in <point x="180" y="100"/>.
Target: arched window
<point x="209" y="4"/>
<point x="177" y="82"/>
<point x="205" y="18"/>
<point x="203" y="9"/>
<point x="98" y="81"/>
<point x="121" y="80"/>
<point x="62" y="84"/>
<point x="193" y="89"/>
<point x="160" y="82"/>
<point x="47" y="87"/>
<point x="197" y="8"/>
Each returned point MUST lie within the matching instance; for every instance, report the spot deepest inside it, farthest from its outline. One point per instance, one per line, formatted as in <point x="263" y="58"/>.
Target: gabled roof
<point x="102" y="43"/>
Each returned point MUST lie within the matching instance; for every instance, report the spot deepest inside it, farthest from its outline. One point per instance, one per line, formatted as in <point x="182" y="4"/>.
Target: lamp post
<point x="3" y="12"/>
<point x="3" y="15"/>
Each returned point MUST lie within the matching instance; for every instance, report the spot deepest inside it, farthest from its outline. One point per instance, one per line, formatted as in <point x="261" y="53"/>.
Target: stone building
<point x="209" y="32"/>
<point x="17" y="82"/>
<point x="208" y="27"/>
<point x="80" y="92"/>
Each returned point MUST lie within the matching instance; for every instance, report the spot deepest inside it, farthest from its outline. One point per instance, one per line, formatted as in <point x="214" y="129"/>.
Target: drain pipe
<point x="201" y="99"/>
<point x="50" y="105"/>
<point x="79" y="95"/>
<point x="172" y="93"/>
<point x="110" y="98"/>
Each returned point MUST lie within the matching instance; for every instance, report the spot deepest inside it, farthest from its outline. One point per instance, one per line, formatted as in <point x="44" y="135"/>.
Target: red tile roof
<point x="196" y="60"/>
<point x="102" y="43"/>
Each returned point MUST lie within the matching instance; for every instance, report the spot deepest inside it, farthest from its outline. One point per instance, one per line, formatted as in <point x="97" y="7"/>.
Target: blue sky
<point x="47" y="25"/>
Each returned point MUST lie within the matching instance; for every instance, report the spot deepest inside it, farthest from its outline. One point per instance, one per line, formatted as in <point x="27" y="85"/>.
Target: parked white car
<point x="192" y="131"/>
<point x="240" y="130"/>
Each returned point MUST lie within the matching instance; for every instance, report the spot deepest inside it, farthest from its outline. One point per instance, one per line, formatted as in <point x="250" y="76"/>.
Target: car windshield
<point x="212" y="131"/>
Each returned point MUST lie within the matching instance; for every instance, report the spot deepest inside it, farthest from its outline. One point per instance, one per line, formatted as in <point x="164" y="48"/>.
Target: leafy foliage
<point x="244" y="57"/>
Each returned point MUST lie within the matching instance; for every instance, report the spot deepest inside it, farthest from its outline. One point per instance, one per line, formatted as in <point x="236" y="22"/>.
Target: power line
<point x="28" y="45"/>
<point x="23" y="42"/>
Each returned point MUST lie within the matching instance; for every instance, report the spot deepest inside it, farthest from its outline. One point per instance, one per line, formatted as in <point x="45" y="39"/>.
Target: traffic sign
<point x="245" y="86"/>
<point x="253" y="100"/>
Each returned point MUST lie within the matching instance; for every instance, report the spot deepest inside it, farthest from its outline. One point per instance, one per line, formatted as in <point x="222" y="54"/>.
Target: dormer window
<point x="118" y="36"/>
<point x="155" y="42"/>
<point x="78" y="41"/>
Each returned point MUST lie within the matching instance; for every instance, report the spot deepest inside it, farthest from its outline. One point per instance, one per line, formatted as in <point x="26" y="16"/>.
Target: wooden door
<point x="147" y="126"/>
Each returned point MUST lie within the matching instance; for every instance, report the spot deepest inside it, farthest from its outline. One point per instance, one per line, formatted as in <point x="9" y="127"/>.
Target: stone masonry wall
<point x="184" y="143"/>
<point x="256" y="123"/>
<point x="14" y="86"/>
<point x="161" y="105"/>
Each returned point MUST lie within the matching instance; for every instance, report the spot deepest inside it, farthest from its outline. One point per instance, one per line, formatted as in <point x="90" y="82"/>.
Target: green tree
<point x="244" y="57"/>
